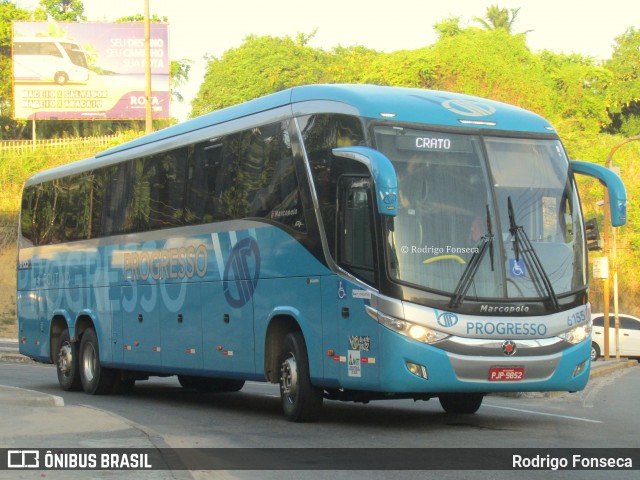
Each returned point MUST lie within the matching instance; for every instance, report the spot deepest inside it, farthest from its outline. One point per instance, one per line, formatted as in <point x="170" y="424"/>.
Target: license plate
<point x="506" y="374"/>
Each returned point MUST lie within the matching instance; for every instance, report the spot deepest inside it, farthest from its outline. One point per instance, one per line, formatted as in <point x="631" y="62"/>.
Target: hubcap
<point x="89" y="362"/>
<point x="289" y="379"/>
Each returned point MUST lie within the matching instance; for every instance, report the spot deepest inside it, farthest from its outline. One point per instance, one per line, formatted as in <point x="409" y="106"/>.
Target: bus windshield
<point x="76" y="55"/>
<point x="513" y="207"/>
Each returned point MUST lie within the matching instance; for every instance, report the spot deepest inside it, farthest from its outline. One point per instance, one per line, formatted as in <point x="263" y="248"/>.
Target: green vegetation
<point x="593" y="105"/>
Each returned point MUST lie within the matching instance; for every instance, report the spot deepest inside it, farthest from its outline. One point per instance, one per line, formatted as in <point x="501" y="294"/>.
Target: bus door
<point x="358" y="334"/>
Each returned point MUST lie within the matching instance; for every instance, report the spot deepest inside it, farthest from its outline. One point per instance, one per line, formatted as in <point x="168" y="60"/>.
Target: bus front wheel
<point x="67" y="363"/>
<point x="301" y="401"/>
<point x="95" y="378"/>
<point x="464" y="403"/>
<point x="61" y="78"/>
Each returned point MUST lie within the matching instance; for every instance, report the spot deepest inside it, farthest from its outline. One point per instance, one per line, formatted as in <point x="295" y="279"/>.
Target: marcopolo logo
<point x="241" y="272"/>
<point x="446" y="319"/>
<point x="469" y="108"/>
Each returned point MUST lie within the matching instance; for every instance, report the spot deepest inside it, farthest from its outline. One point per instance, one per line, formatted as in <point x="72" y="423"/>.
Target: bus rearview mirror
<point x="384" y="176"/>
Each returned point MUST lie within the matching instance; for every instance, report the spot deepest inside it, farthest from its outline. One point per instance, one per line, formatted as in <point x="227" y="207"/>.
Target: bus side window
<point x="321" y="133"/>
<point x="205" y="182"/>
<point x="27" y="220"/>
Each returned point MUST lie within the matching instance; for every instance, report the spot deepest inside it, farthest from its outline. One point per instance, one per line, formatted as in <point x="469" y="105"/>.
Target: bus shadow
<point x="400" y="415"/>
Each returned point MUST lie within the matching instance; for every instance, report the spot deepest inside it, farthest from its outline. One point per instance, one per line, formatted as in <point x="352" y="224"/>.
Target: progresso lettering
<point x="171" y="263"/>
<point x="507" y="328"/>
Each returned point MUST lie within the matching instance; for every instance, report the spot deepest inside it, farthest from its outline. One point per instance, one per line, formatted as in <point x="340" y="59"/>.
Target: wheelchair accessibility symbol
<point x="516" y="267"/>
<point x="342" y="293"/>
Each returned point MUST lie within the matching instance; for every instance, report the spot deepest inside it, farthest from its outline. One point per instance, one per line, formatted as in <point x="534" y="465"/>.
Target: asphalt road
<point x="169" y="416"/>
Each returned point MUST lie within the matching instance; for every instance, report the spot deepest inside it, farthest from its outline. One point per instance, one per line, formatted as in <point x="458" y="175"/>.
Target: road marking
<point x="544" y="414"/>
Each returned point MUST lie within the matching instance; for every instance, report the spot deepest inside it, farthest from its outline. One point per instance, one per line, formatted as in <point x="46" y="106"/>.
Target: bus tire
<point x="67" y="363"/>
<point x="96" y="380"/>
<point x="463" y="403"/>
<point x="301" y="401"/>
<point x="61" y="78"/>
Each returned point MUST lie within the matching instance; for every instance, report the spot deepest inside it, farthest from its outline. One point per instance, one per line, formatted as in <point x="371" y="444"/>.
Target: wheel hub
<point x="89" y="362"/>
<point x="289" y="378"/>
<point x="65" y="359"/>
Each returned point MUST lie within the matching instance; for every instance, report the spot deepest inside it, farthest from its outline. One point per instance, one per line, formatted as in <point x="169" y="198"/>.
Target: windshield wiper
<point x="486" y="243"/>
<point x="530" y="256"/>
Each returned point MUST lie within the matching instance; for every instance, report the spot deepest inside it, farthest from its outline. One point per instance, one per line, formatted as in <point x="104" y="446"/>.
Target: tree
<point x="350" y="65"/>
<point x="261" y="65"/>
<point x="449" y="27"/>
<point x="179" y="76"/>
<point x="498" y="18"/>
<point x="139" y="17"/>
<point x="492" y="64"/>
<point x="579" y="99"/>
<point x="64" y="10"/>
<point x="624" y="90"/>
<point x="403" y="68"/>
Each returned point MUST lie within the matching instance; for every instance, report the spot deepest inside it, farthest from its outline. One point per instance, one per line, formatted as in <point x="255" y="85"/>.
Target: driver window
<point x="355" y="228"/>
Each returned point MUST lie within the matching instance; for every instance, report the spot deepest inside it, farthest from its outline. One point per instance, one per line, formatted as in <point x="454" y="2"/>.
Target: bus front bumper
<point x="410" y="366"/>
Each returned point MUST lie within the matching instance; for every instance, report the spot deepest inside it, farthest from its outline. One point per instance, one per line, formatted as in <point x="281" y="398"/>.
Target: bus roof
<point x="36" y="39"/>
<point x="372" y="101"/>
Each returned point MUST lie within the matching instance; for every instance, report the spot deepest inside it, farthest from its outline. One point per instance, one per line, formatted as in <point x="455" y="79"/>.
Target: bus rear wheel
<point x="96" y="379"/>
<point x="61" y="78"/>
<point x="301" y="401"/>
<point x="67" y="363"/>
<point x="464" y="403"/>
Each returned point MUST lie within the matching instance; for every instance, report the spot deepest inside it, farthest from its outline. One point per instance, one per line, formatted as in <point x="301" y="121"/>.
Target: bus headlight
<point x="577" y="334"/>
<point x="412" y="330"/>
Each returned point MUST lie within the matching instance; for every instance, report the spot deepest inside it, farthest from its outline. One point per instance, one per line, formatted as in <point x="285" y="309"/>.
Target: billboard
<point x="88" y="71"/>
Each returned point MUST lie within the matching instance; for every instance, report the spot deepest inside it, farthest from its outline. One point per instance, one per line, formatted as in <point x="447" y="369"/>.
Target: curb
<point x="600" y="371"/>
<point x="25" y="397"/>
<point x="607" y="369"/>
<point x="12" y="357"/>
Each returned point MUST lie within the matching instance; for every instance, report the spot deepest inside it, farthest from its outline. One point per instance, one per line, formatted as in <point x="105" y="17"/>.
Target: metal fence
<point x="22" y="145"/>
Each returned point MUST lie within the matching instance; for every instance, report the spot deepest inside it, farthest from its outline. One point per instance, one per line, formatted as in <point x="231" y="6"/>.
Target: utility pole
<point x="606" y="292"/>
<point x="148" y="116"/>
<point x="614" y="263"/>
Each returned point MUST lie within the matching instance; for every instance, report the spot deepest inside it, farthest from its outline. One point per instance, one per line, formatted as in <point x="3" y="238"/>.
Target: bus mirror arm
<point x="614" y="185"/>
<point x="384" y="175"/>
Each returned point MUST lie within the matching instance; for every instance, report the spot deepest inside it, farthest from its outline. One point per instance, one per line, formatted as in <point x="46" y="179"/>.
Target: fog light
<point x="580" y="368"/>
<point x="418" y="370"/>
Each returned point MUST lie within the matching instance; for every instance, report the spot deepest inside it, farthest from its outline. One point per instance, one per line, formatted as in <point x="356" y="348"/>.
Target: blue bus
<point x="349" y="242"/>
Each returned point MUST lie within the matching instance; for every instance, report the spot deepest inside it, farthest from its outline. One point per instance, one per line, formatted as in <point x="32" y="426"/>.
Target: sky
<point x="210" y="27"/>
